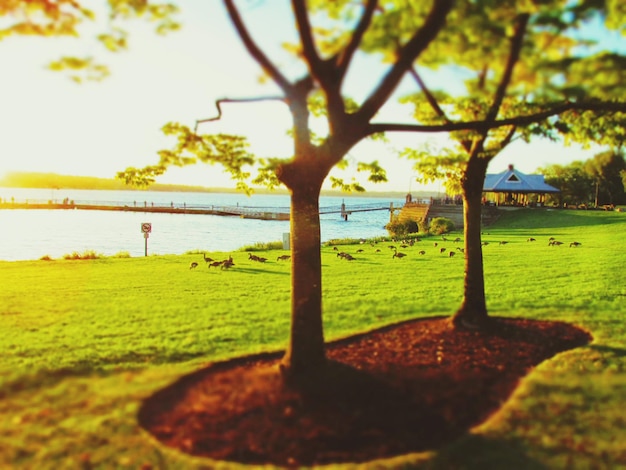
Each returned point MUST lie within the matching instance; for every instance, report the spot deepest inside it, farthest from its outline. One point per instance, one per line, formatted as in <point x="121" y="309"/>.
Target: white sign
<point x="146" y="227"/>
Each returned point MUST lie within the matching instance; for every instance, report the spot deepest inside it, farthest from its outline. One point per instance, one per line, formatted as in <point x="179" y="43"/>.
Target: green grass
<point x="84" y="341"/>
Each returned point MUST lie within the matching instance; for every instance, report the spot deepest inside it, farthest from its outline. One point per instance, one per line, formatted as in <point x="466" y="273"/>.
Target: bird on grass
<point x="193" y="265"/>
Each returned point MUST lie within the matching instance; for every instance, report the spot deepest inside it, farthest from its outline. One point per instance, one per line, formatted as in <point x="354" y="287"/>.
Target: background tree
<point x="69" y="18"/>
<point x="596" y="181"/>
<point x="527" y="73"/>
<point x="574" y="182"/>
<point x="605" y="169"/>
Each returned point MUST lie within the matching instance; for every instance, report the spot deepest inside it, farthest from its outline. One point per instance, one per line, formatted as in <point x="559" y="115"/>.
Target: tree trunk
<point x="305" y="352"/>
<point x="473" y="310"/>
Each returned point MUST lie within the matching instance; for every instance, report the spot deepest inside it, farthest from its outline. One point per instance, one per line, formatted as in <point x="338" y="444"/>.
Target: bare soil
<point x="405" y="388"/>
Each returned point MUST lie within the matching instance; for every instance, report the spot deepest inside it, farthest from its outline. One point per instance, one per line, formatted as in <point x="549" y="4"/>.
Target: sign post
<point x="146" y="228"/>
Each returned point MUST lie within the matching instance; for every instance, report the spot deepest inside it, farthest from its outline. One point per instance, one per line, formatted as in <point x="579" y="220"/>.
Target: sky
<point x="51" y="124"/>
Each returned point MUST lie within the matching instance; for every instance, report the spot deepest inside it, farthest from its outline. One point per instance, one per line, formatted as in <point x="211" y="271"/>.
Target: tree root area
<point x="405" y="388"/>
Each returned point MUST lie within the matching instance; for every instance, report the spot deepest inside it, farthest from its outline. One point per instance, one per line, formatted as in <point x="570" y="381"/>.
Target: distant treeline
<point x="56" y="181"/>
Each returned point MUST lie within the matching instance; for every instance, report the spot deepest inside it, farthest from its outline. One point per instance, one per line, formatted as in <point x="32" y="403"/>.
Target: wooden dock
<point x="245" y="212"/>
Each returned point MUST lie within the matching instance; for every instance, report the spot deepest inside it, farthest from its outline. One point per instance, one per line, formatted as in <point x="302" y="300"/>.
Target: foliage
<point x="605" y="169"/>
<point x="401" y="229"/>
<point x="79" y="357"/>
<point x="596" y="181"/>
<point x="576" y="185"/>
<point x="516" y="62"/>
<point x="228" y="150"/>
<point x="65" y="18"/>
<point x="441" y="225"/>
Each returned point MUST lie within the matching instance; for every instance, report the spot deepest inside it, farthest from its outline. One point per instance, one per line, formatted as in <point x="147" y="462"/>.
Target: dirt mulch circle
<point x="405" y="388"/>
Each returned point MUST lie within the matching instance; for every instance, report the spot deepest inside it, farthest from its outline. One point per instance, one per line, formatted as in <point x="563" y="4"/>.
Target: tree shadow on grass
<point x="615" y="352"/>
<point x="475" y="452"/>
<point x="260" y="271"/>
<point x="411" y="387"/>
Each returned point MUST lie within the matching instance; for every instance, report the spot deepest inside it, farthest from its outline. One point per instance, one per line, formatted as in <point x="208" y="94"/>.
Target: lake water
<point x="33" y="233"/>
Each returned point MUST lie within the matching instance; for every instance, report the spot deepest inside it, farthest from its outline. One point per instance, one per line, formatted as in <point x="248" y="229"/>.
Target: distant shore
<point x="55" y="181"/>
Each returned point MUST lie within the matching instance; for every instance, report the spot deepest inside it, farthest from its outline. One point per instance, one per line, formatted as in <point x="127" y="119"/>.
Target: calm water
<point x="31" y="234"/>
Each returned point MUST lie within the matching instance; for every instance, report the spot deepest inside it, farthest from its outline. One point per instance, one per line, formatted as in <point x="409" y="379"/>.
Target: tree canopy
<point x="72" y="18"/>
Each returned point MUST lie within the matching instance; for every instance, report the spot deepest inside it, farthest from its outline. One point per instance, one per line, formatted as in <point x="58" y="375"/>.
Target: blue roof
<point x="514" y="181"/>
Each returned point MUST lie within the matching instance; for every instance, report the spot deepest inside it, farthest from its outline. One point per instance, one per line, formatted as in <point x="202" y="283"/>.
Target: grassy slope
<point x="85" y="341"/>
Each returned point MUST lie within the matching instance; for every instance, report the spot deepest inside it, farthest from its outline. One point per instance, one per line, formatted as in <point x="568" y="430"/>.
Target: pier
<point x="246" y="212"/>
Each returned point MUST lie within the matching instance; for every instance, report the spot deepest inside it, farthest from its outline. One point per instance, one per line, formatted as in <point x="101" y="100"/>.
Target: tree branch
<point x="218" y="105"/>
<point x="482" y="125"/>
<point x="306" y="36"/>
<point x="344" y="59"/>
<point x="429" y="96"/>
<point x="407" y="55"/>
<point x="254" y="50"/>
<point x="516" y="47"/>
<point x="508" y="138"/>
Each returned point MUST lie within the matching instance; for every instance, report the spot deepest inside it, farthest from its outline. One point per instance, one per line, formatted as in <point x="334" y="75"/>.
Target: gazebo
<point x="513" y="188"/>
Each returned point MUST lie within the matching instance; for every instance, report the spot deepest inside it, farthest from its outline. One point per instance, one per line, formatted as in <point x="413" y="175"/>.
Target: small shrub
<point x="122" y="254"/>
<point x="87" y="254"/>
<point x="45" y="258"/>
<point x="263" y="246"/>
<point x="401" y="229"/>
<point x="440" y="225"/>
<point x="343" y="241"/>
<point x="423" y="225"/>
<point x="195" y="252"/>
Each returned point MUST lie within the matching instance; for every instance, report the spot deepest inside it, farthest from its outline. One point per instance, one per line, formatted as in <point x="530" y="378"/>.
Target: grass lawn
<point x="84" y="341"/>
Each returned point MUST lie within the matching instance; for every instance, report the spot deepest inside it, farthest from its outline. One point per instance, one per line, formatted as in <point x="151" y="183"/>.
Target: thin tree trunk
<point x="305" y="352"/>
<point x="473" y="310"/>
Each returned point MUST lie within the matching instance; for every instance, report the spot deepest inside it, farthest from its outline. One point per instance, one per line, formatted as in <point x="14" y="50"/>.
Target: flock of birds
<point x="403" y="244"/>
<point x="229" y="262"/>
<point x="450" y="252"/>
